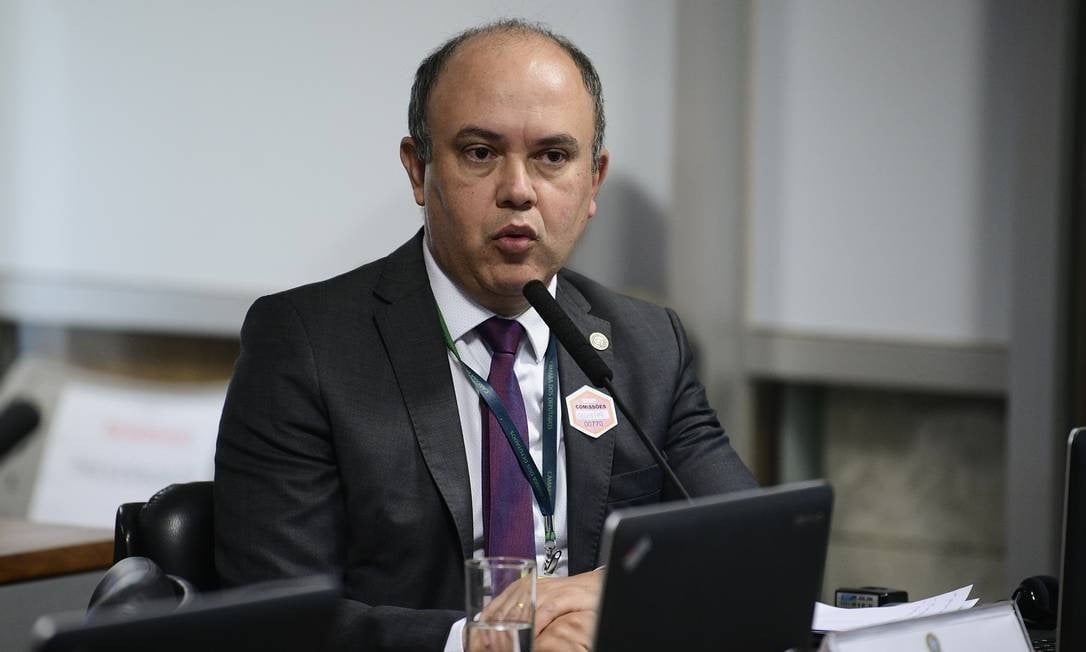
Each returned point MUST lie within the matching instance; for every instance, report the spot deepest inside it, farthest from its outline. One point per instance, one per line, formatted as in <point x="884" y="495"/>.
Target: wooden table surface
<point x="30" y="551"/>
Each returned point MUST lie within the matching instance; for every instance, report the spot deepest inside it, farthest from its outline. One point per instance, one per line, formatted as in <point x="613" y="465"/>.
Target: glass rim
<point x="500" y="562"/>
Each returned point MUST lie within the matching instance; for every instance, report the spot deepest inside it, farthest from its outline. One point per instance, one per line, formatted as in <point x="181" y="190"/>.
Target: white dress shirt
<point x="462" y="315"/>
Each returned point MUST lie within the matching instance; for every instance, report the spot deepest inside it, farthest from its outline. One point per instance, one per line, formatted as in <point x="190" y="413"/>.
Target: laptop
<point x="279" y="616"/>
<point x="1071" y="608"/>
<point x="735" y="572"/>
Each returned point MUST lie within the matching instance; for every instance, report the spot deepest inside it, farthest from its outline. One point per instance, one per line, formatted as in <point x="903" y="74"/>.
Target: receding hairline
<point x="506" y="35"/>
<point x="515" y="33"/>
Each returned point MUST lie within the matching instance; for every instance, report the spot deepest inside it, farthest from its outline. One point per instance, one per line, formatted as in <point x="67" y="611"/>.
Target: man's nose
<point x="515" y="188"/>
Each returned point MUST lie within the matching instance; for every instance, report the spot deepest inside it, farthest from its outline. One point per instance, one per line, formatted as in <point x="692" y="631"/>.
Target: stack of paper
<point x="835" y="619"/>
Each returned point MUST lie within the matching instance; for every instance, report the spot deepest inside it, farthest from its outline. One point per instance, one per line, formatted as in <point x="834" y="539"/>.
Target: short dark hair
<point x="430" y="70"/>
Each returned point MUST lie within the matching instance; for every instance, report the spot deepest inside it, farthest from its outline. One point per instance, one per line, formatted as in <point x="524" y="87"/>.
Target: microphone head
<point x="17" y="420"/>
<point x="572" y="340"/>
<point x="536" y="293"/>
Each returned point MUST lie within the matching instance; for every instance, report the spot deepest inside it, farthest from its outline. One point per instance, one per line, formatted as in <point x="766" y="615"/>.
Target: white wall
<point x="164" y="163"/>
<point x="883" y="138"/>
<point x="209" y="152"/>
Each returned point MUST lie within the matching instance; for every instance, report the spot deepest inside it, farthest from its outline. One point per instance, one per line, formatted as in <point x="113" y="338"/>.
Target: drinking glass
<point x="500" y="594"/>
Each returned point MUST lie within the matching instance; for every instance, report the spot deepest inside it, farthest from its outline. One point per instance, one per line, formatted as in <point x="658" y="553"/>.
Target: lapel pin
<point x="599" y="341"/>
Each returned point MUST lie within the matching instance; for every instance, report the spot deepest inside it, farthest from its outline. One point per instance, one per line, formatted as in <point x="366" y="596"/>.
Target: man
<point x="353" y="440"/>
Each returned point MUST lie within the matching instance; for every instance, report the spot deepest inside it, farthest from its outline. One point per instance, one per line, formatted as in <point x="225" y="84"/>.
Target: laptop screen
<point x="1071" y="625"/>
<point x="270" y="617"/>
<point x="735" y="572"/>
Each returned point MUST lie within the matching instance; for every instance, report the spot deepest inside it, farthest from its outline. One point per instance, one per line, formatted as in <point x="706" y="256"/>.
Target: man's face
<point x="510" y="187"/>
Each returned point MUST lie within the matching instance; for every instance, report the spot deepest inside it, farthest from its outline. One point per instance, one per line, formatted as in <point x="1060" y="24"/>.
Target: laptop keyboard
<point x="1044" y="644"/>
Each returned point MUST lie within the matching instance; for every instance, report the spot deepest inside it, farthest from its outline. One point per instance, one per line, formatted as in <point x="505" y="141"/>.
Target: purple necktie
<point x="507" y="497"/>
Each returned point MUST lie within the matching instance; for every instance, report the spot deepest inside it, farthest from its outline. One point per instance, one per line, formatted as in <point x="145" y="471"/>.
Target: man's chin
<point x="513" y="285"/>
<point x="506" y="295"/>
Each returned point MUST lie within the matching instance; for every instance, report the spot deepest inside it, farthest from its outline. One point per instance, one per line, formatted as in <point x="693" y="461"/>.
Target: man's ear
<point x="415" y="167"/>
<point x="598" y="175"/>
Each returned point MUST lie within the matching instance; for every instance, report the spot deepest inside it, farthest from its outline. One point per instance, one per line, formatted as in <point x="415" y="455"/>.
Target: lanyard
<point x="543" y="484"/>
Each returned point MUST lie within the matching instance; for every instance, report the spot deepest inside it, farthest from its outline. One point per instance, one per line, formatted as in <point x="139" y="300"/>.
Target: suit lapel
<point x="409" y="327"/>
<point x="588" y="460"/>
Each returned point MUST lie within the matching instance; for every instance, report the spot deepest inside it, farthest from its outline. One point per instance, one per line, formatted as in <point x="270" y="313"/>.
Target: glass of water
<point x="500" y="594"/>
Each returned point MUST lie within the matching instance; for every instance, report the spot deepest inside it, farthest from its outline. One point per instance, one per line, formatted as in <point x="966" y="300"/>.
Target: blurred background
<point x="868" y="213"/>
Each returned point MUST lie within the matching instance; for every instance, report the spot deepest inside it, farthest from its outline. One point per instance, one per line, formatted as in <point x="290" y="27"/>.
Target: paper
<point x="991" y="628"/>
<point x="835" y="619"/>
<point x="111" y="444"/>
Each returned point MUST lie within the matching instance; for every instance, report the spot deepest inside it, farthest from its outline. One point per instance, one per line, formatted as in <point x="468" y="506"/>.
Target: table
<point x="31" y="551"/>
<point x="44" y="569"/>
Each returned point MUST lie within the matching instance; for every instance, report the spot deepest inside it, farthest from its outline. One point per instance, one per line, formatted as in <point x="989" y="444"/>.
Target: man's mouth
<point x="515" y="239"/>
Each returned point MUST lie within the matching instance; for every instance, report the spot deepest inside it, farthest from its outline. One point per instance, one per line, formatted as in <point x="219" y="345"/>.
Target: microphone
<point x="572" y="340"/>
<point x="593" y="366"/>
<point x="17" y="420"/>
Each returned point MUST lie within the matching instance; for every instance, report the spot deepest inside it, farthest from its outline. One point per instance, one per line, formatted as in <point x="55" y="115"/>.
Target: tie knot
<point x="501" y="335"/>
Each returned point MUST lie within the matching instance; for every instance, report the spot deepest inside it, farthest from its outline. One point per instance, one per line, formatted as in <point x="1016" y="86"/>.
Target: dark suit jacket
<point x="340" y="449"/>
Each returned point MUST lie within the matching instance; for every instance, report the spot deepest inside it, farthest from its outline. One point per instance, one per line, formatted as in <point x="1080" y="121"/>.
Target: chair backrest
<point x="175" y="529"/>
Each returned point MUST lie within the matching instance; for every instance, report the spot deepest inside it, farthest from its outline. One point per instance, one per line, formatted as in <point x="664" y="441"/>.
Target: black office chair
<point x="174" y="529"/>
<point x="162" y="548"/>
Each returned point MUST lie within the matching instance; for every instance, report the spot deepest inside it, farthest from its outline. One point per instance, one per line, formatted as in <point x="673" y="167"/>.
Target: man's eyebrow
<point x="565" y="141"/>
<point x="471" y="131"/>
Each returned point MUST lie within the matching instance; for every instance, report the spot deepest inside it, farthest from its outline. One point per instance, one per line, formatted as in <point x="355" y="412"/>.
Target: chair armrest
<point x="124" y="539"/>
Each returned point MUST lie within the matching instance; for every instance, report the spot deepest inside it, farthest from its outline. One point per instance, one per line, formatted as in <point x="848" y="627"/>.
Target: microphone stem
<point x="657" y="455"/>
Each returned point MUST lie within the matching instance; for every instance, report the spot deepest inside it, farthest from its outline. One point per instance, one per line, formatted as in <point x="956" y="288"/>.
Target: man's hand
<point x="569" y="632"/>
<point x="558" y="596"/>
<point x="565" y="613"/>
<point x="512" y="605"/>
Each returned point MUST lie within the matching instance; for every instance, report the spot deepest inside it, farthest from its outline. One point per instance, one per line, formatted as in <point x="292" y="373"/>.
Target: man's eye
<point x="478" y="153"/>
<point x="554" y="156"/>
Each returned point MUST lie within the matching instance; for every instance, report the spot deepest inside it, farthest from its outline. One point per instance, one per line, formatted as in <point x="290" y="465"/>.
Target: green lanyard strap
<point x="543" y="484"/>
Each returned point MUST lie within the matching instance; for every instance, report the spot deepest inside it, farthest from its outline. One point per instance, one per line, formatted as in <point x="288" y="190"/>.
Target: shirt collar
<point x="462" y="314"/>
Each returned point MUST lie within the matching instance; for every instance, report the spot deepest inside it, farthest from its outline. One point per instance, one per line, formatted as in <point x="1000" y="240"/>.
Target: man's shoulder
<point x="362" y="285"/>
<point x="606" y="302"/>
<point x="359" y="281"/>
